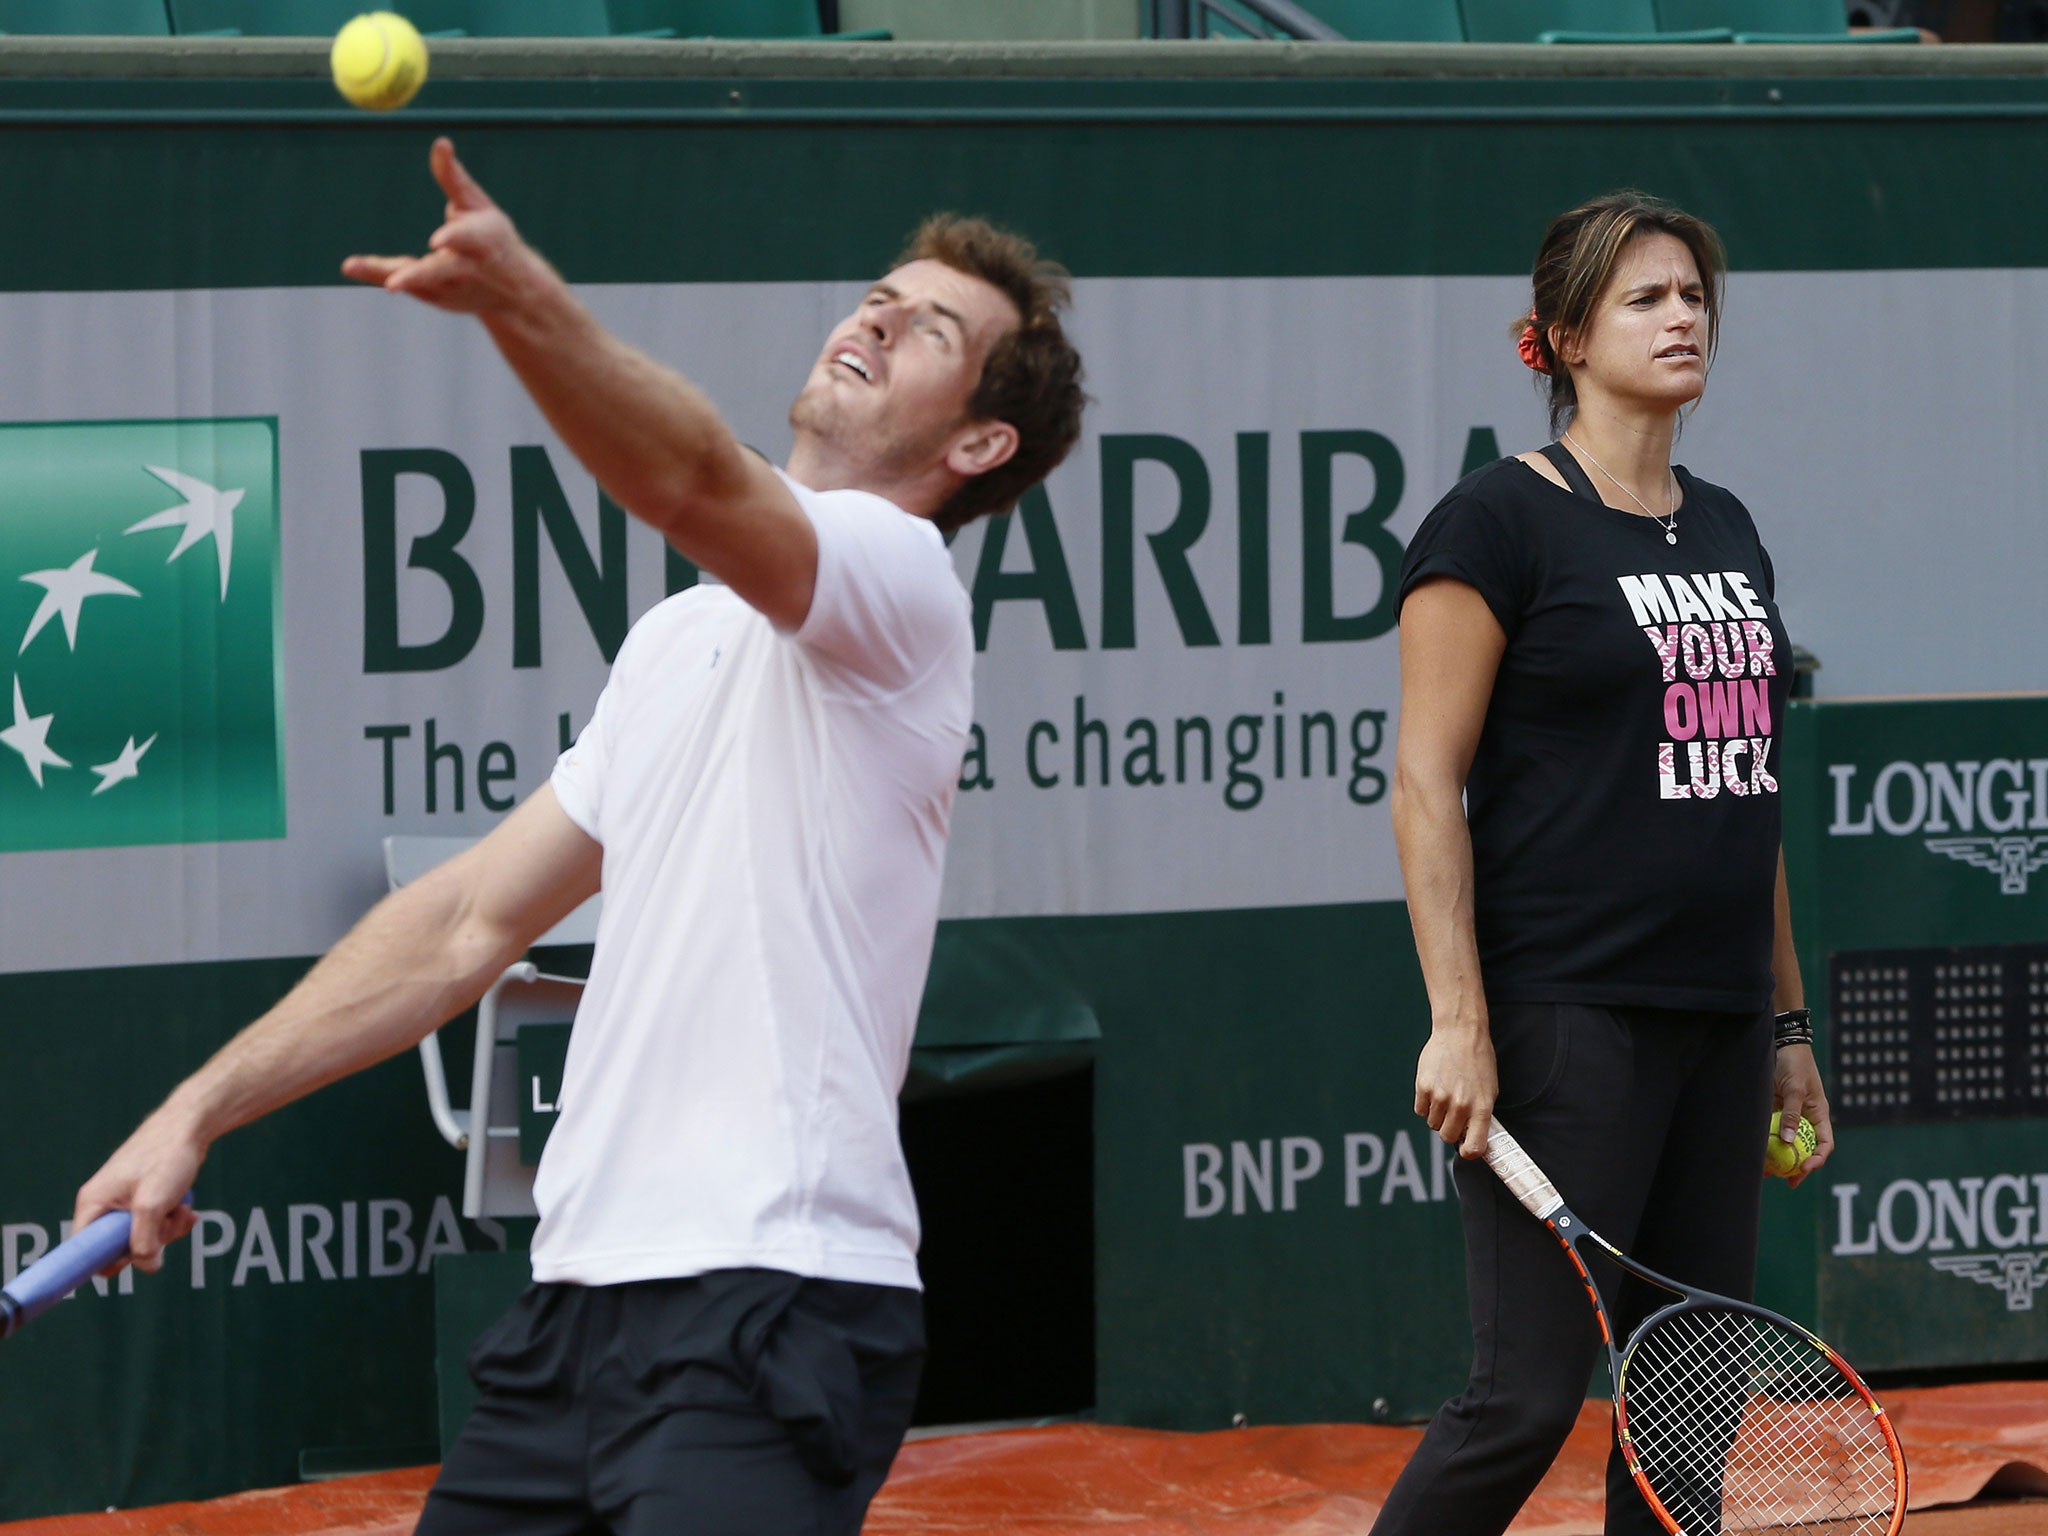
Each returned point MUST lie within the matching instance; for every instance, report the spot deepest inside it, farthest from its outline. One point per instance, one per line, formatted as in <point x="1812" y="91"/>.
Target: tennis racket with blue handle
<point x="63" y="1270"/>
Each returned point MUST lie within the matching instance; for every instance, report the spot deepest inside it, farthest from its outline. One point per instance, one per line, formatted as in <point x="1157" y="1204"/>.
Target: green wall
<point x="268" y="183"/>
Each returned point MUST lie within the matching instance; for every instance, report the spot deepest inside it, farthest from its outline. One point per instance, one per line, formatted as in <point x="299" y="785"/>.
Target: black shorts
<point x="745" y="1402"/>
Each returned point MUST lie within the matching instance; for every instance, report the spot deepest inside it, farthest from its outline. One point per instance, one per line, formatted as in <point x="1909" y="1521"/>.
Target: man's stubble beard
<point x="875" y="446"/>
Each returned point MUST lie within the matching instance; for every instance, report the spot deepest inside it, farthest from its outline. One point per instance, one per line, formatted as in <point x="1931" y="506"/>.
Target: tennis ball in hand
<point x="1782" y="1159"/>
<point x="379" y="61"/>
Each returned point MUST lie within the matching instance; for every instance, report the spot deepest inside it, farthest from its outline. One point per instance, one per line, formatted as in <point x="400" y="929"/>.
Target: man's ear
<point x="980" y="447"/>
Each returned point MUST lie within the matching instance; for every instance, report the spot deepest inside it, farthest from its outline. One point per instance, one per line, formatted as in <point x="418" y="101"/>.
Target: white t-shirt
<point x="773" y="809"/>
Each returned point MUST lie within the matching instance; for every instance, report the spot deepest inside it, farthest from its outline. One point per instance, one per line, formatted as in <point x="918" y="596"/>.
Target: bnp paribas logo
<point x="139" y="623"/>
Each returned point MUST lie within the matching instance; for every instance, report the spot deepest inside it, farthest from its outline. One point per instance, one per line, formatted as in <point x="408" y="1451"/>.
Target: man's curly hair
<point x="1032" y="376"/>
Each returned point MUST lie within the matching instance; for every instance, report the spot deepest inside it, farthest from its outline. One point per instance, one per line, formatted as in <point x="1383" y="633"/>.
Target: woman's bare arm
<point x="1451" y="646"/>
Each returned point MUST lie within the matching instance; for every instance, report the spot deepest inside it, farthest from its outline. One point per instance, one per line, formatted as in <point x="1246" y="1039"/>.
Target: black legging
<point x="1651" y="1123"/>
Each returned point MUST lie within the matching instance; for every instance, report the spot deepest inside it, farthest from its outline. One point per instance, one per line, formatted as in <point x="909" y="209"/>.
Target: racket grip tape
<point x="1517" y="1170"/>
<point x="63" y="1269"/>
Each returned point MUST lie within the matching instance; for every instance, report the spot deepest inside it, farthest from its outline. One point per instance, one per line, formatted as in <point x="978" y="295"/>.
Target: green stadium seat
<point x="1882" y="35"/>
<point x="1391" y="21"/>
<point x="86" y="18"/>
<point x="511" y="18"/>
<point x="269" y="18"/>
<point x="1575" y="21"/>
<point x="1776" y="21"/>
<point x="728" y="18"/>
<point x="1636" y="39"/>
<point x="435" y="18"/>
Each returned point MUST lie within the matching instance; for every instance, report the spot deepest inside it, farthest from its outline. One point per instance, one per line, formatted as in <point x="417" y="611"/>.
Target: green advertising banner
<point x="1917" y="848"/>
<point x="176" y="684"/>
<point x="297" y="1318"/>
<point x="1264" y="1189"/>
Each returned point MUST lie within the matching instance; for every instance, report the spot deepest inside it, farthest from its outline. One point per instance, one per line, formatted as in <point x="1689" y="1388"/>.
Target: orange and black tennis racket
<point x="1731" y="1418"/>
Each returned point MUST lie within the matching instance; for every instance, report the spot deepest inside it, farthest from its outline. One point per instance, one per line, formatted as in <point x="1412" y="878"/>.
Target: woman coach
<point x="1593" y="679"/>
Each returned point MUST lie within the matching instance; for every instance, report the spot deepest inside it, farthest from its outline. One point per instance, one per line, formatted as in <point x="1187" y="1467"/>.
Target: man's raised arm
<point x="652" y="438"/>
<point x="420" y="956"/>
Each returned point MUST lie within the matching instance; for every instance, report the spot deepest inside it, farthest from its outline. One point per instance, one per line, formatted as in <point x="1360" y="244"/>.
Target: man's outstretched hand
<point x="148" y="1177"/>
<point x="476" y="262"/>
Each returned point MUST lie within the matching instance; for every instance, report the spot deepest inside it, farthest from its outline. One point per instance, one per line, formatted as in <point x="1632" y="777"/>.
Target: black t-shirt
<point x="1624" y="798"/>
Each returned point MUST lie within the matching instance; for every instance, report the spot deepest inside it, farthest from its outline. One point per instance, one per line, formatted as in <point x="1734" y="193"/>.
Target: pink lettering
<point x="1756" y="708"/>
<point x="1729" y="654"/>
<point x="1666" y="642"/>
<point x="1730" y="775"/>
<point x="1714" y="766"/>
<point x="1681" y="712"/>
<point x="1695" y="649"/>
<point x="1706" y="768"/>
<point x="1760" y="780"/>
<point x="1668" y="787"/>
<point x="1756" y="635"/>
<point x="1718" y="709"/>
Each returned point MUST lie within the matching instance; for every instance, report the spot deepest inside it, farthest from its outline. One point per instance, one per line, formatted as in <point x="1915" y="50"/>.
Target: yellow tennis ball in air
<point x="379" y="61"/>
<point x="1781" y="1158"/>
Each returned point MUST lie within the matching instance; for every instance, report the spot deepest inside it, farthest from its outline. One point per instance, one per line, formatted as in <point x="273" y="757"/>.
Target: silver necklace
<point x="1668" y="520"/>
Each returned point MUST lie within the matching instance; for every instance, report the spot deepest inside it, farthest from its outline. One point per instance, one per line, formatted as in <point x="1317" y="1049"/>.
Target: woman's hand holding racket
<point x="1456" y="1082"/>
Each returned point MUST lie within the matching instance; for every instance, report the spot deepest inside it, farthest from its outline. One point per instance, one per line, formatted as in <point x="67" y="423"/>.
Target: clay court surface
<point x="1979" y="1457"/>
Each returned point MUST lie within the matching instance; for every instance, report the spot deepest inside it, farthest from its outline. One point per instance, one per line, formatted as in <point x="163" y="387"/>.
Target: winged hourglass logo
<point x="2019" y="1275"/>
<point x="2011" y="858"/>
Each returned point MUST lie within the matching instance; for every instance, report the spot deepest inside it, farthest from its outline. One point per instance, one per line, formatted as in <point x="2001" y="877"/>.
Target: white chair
<point x="494" y="1181"/>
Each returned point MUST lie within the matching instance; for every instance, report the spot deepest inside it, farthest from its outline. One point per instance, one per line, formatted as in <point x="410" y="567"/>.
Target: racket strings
<point x="1739" y="1424"/>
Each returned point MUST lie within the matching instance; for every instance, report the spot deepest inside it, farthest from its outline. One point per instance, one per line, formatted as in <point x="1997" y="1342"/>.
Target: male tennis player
<point x="725" y="1332"/>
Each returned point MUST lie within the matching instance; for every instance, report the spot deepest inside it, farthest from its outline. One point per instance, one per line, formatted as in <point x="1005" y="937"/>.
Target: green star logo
<point x="139" y="611"/>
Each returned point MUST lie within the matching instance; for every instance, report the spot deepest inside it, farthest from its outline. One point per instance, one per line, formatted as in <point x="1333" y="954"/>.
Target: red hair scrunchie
<point x="1531" y="348"/>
